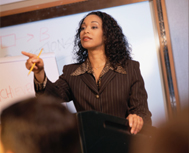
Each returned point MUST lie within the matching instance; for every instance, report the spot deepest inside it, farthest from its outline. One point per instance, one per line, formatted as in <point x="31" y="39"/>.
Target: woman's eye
<point x="94" y="27"/>
<point x="82" y="28"/>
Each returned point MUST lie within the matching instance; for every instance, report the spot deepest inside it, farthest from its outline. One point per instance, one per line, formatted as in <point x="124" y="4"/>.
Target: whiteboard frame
<point x="159" y="8"/>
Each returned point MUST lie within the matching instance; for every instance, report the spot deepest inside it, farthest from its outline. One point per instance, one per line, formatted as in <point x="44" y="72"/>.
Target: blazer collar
<point x="107" y="77"/>
<point x="107" y="74"/>
<point x="90" y="81"/>
<point x="86" y="67"/>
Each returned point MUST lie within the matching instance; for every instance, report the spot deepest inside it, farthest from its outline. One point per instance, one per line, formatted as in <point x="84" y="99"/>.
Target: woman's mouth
<point x="86" y="38"/>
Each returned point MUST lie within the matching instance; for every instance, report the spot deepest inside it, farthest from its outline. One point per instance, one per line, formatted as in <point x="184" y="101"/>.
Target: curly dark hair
<point x="117" y="48"/>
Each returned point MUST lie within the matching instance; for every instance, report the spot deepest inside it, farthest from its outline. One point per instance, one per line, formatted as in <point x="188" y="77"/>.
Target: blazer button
<point x="97" y="96"/>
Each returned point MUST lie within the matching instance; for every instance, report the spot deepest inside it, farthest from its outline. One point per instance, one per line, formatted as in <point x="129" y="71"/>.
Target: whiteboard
<point x="57" y="35"/>
<point x="15" y="83"/>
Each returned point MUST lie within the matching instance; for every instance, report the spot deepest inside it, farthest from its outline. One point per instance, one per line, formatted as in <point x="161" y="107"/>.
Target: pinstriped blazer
<point x="119" y="94"/>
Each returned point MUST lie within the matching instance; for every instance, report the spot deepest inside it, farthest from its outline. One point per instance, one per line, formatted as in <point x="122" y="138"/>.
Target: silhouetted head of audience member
<point x="39" y="125"/>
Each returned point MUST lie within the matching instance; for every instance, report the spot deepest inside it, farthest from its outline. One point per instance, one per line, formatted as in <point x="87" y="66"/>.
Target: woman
<point x="105" y="78"/>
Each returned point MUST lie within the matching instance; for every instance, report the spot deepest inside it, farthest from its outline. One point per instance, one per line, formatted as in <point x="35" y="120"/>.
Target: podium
<point x="102" y="133"/>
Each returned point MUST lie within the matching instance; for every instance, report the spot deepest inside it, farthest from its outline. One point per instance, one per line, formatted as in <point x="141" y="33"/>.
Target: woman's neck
<point x="97" y="58"/>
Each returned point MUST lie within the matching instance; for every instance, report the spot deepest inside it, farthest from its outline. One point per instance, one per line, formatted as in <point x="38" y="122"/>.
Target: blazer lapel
<point x="106" y="79"/>
<point x="90" y="82"/>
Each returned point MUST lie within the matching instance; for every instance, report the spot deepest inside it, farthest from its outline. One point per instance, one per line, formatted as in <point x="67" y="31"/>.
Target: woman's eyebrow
<point x="94" y="21"/>
<point x="91" y="22"/>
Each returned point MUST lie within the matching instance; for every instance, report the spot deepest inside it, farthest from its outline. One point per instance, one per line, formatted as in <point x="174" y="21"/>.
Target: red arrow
<point x="31" y="37"/>
<point x="28" y="35"/>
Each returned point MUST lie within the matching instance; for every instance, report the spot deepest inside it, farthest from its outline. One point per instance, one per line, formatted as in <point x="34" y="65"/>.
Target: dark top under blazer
<point x="119" y="94"/>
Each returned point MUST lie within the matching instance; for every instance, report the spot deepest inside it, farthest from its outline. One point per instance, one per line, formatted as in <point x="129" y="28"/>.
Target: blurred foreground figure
<point x="170" y="137"/>
<point x="38" y="125"/>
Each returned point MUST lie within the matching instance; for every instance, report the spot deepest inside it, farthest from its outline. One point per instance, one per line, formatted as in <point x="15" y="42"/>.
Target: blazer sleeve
<point x="59" y="89"/>
<point x="138" y="96"/>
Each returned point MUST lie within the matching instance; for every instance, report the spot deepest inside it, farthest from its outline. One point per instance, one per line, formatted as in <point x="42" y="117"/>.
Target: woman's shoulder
<point x="70" y="67"/>
<point x="133" y="68"/>
<point x="131" y="63"/>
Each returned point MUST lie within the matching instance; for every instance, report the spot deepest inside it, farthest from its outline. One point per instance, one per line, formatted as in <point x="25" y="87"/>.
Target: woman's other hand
<point x="135" y="122"/>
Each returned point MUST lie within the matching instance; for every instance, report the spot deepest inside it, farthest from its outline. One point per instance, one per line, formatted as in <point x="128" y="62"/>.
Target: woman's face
<point x="91" y="34"/>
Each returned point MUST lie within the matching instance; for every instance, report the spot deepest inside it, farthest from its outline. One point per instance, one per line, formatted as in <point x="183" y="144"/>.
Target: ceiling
<point x="9" y="7"/>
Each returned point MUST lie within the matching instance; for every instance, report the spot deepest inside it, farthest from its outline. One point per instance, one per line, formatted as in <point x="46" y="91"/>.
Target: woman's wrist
<point x="40" y="76"/>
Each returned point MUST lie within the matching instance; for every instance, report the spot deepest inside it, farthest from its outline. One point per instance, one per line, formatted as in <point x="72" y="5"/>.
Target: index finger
<point x="30" y="55"/>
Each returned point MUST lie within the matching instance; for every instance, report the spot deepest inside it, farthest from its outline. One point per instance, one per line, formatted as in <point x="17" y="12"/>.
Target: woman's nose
<point x="86" y="30"/>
